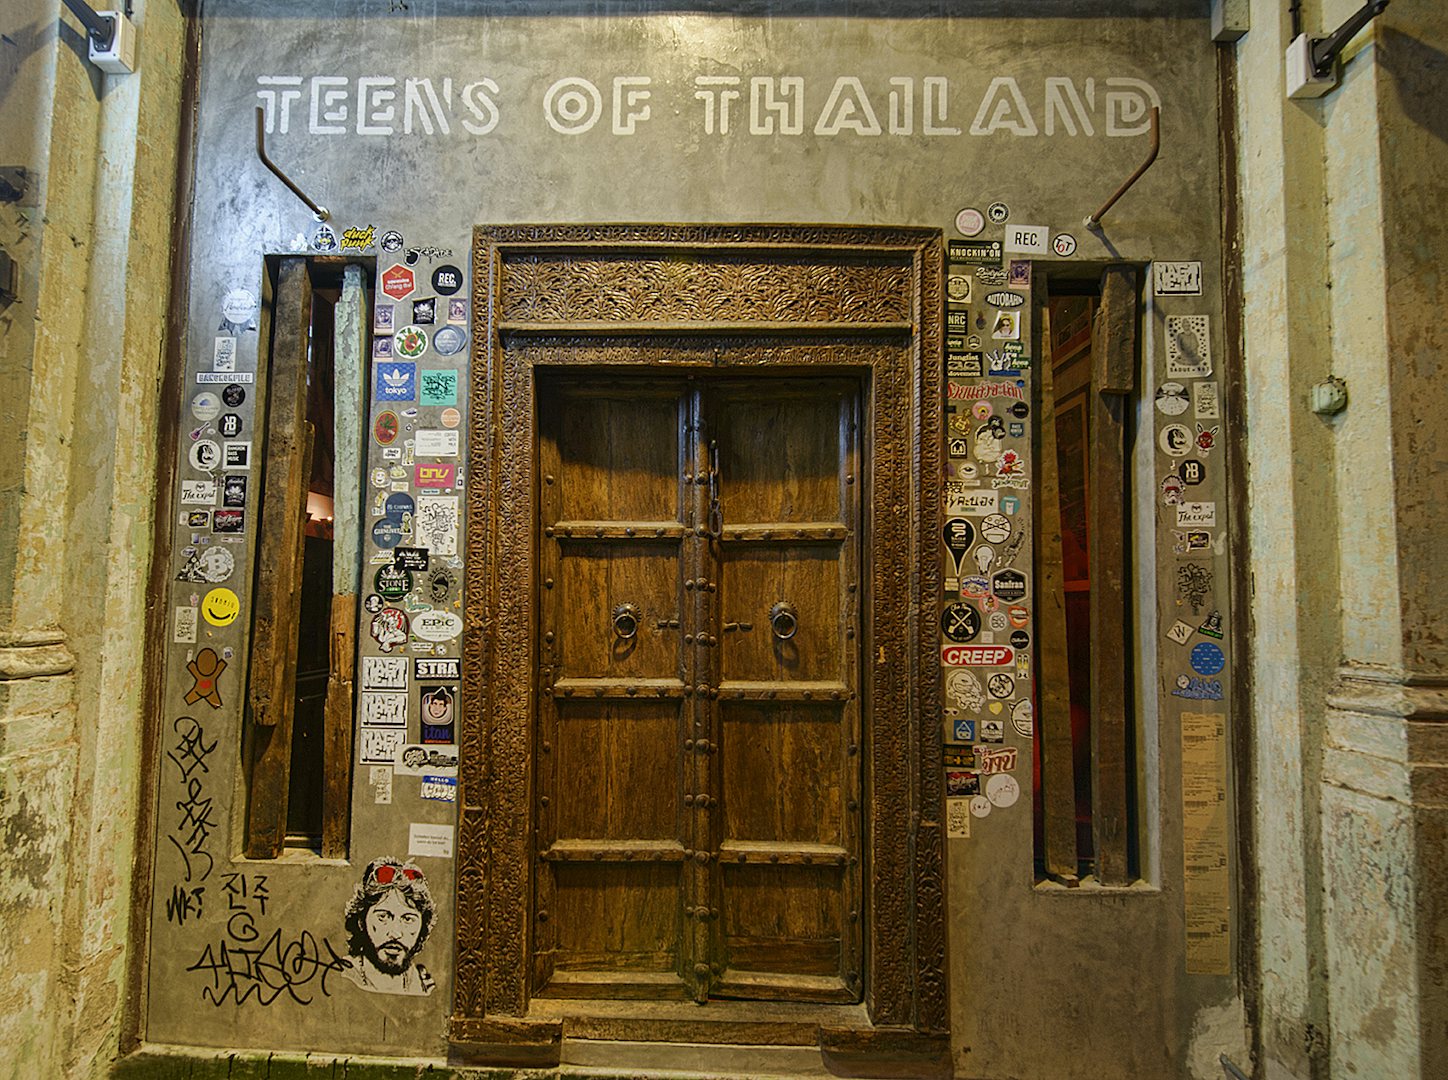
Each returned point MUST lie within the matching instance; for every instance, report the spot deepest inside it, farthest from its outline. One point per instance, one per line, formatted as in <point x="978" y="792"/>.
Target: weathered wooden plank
<point x="283" y="513"/>
<point x="1053" y="670"/>
<point x="349" y="347"/>
<point x="1113" y="350"/>
<point x="271" y="768"/>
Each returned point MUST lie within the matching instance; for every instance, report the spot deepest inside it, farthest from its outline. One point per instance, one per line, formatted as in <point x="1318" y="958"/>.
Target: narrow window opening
<point x="307" y="519"/>
<point x="1084" y="750"/>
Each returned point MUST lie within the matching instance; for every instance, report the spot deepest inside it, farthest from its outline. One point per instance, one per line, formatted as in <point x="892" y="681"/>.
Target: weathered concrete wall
<point x="80" y="356"/>
<point x="1343" y="255"/>
<point x="1030" y="967"/>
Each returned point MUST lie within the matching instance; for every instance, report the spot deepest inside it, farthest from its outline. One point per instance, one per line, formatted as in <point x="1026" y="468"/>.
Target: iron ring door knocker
<point x="784" y="620"/>
<point x="626" y="621"/>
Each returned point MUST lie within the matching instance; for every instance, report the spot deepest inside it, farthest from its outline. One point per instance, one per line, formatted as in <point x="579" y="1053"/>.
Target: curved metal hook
<point x="321" y="212"/>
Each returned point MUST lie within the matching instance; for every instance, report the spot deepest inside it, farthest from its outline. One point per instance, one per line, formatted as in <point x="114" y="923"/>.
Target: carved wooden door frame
<point x="741" y="298"/>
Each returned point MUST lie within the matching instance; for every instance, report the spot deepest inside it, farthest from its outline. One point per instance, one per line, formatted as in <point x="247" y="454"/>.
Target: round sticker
<point x="447" y="279"/>
<point x="391" y="241"/>
<point x="996" y="528"/>
<point x="1020" y="410"/>
<point x="373" y="604"/>
<point x="1020" y="639"/>
<point x="237" y="306"/>
<point x="205" y="406"/>
<point x="1207" y="658"/>
<point x="386" y="533"/>
<point x="450" y="417"/>
<point x="439" y="585"/>
<point x="220" y="607"/>
<point x="979" y="806"/>
<point x="997" y="621"/>
<point x="1064" y="244"/>
<point x="230" y="426"/>
<point x="392" y="582"/>
<point x="205" y="455"/>
<point x="233" y="395"/>
<point x="410" y="342"/>
<point x="998" y="212"/>
<point x="1171" y="399"/>
<point x="982" y="410"/>
<point x="960" y="622"/>
<point x="1002" y="790"/>
<point x="1000" y="685"/>
<point x="386" y="427"/>
<point x="399" y="506"/>
<point x="969" y="222"/>
<point x="449" y="340"/>
<point x="215" y="564"/>
<point x="1176" y="440"/>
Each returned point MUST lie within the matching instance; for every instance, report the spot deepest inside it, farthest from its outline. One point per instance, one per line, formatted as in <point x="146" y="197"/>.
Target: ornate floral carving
<point x="773" y="275"/>
<point x="703" y="287"/>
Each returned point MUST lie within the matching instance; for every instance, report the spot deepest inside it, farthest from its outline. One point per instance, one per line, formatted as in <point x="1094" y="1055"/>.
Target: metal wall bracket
<point x="1093" y="221"/>
<point x="321" y="212"/>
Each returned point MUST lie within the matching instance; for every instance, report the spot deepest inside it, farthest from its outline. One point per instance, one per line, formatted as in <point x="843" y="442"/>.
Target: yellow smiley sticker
<point x="220" y="607"/>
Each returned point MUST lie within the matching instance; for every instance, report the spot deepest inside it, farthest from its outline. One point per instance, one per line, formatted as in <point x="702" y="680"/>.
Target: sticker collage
<point x="985" y="620"/>
<point x="410" y="663"/>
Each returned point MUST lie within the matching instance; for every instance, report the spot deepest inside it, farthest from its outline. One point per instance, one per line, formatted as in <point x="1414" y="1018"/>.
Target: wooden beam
<point x="350" y="347"/>
<point x="1058" y="778"/>
<point x="278" y="582"/>
<point x="1113" y="357"/>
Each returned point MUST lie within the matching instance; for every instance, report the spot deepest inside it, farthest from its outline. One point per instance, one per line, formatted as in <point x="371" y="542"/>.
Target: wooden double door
<point x="698" y="744"/>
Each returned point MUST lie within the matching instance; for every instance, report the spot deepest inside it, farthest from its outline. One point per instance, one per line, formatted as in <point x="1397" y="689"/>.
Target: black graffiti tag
<point x="194" y="824"/>
<point x="184" y="903"/>
<point x="242" y="973"/>
<point x="1194" y="582"/>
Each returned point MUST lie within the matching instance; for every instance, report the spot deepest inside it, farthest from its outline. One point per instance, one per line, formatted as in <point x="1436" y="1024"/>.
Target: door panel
<point x="801" y="744"/>
<point x="611" y="832"/>
<point x="699" y="777"/>
<point x="595" y="579"/>
<point x="606" y="753"/>
<point x="807" y="578"/>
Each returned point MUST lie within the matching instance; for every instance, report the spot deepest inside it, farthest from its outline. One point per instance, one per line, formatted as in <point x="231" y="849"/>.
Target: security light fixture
<point x="112" y="37"/>
<point x="1312" y="63"/>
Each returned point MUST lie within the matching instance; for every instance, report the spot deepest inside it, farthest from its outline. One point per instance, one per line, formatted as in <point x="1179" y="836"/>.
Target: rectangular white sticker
<point x="435" y="525"/>
<point x="384" y="673"/>
<point x="974" y="502"/>
<point x="1197" y="515"/>
<point x="429" y="841"/>
<point x="436" y="443"/>
<point x="219" y="377"/>
<point x="1188" y="347"/>
<point x="198" y="492"/>
<point x="957" y="819"/>
<point x="185" y="633"/>
<point x="415" y="759"/>
<point x="1177" y="278"/>
<point x="380" y="778"/>
<point x="223" y="357"/>
<point x="1206" y="401"/>
<point x="439" y="788"/>
<point x="378" y="746"/>
<point x="387" y="710"/>
<point x="1028" y="239"/>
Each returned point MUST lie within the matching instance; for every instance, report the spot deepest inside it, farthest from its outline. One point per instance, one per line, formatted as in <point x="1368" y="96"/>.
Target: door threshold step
<point x="696" y="1061"/>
